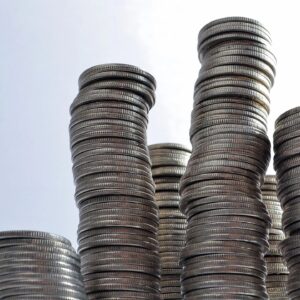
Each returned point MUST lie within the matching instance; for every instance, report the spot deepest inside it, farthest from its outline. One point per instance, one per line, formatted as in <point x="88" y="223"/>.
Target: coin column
<point x="221" y="195"/>
<point x="169" y="162"/>
<point x="287" y="166"/>
<point x="38" y="265"/>
<point x="117" y="233"/>
<point x="276" y="281"/>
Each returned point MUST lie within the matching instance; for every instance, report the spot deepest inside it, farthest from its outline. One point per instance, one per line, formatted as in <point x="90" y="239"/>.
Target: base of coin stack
<point x="169" y="161"/>
<point x="277" y="278"/>
<point x="287" y="166"/>
<point x="39" y="265"/>
<point x="117" y="233"/>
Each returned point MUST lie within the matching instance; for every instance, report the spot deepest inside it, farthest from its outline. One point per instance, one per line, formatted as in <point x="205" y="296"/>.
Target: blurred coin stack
<point x="227" y="230"/>
<point x="169" y="162"/>
<point x="287" y="166"/>
<point x="117" y="234"/>
<point x="38" y="265"/>
<point x="276" y="281"/>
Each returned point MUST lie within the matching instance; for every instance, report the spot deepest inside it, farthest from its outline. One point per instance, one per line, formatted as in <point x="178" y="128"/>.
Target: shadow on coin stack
<point x="287" y="166"/>
<point x="169" y="162"/>
<point x="117" y="233"/>
<point x="39" y="265"/>
<point x="227" y="228"/>
<point x="276" y="281"/>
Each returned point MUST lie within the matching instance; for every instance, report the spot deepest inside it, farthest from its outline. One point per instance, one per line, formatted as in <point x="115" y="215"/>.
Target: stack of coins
<point x="287" y="166"/>
<point x="227" y="231"/>
<point x="117" y="234"/>
<point x="169" y="162"/>
<point x="276" y="281"/>
<point x="38" y="265"/>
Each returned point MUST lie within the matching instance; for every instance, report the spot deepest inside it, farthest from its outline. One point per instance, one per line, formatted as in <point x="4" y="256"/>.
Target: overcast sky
<point x="46" y="44"/>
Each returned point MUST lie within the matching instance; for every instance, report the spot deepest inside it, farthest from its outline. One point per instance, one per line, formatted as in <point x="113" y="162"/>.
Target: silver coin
<point x="90" y="97"/>
<point x="39" y="264"/>
<point x="117" y="67"/>
<point x="121" y="84"/>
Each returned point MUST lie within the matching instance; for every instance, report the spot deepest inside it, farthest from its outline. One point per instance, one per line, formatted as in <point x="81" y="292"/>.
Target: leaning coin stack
<point x="287" y="166"/>
<point x="169" y="162"/>
<point x="117" y="234"/>
<point x="276" y="281"/>
<point x="38" y="265"/>
<point x="227" y="230"/>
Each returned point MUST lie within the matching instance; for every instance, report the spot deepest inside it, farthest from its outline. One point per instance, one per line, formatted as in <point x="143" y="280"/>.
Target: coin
<point x="39" y="265"/>
<point x="221" y="193"/>
<point x="286" y="164"/>
<point x="118" y="224"/>
<point x="168" y="164"/>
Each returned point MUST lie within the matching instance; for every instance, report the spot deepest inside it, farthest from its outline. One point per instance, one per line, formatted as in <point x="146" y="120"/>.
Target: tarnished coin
<point x="39" y="265"/>
<point x="228" y="219"/>
<point x="168" y="164"/>
<point x="117" y="233"/>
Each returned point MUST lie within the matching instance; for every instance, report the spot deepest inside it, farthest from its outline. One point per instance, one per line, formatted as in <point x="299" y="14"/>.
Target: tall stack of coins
<point x="227" y="230"/>
<point x="276" y="281"/>
<point x="169" y="162"/>
<point x="287" y="166"/>
<point x="117" y="234"/>
<point x="38" y="265"/>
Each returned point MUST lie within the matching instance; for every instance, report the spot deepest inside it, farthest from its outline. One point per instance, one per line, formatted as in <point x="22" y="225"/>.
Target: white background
<point x="46" y="44"/>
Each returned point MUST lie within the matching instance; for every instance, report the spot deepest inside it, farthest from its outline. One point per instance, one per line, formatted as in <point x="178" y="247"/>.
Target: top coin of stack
<point x="169" y="161"/>
<point x="287" y="166"/>
<point x="277" y="271"/>
<point x="117" y="234"/>
<point x="220" y="190"/>
<point x="38" y="265"/>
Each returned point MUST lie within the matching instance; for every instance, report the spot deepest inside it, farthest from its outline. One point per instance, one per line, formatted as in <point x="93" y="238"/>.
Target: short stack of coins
<point x="227" y="230"/>
<point x="38" y="265"/>
<point x="287" y="166"/>
<point x="117" y="233"/>
<point x="276" y="281"/>
<point x="169" y="162"/>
